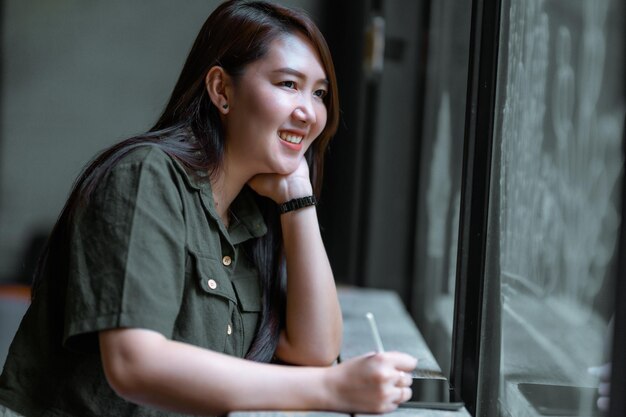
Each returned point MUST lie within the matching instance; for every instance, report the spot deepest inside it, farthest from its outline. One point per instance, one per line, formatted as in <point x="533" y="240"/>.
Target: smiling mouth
<point x="291" y="138"/>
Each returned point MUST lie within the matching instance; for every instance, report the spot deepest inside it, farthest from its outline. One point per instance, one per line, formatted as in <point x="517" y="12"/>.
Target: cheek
<point x="260" y="103"/>
<point x="322" y="118"/>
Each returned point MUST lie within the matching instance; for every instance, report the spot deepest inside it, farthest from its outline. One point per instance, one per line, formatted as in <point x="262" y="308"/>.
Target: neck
<point x="226" y="185"/>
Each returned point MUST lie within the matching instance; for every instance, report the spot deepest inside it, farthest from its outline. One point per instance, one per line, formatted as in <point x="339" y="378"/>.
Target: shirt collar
<point x="247" y="221"/>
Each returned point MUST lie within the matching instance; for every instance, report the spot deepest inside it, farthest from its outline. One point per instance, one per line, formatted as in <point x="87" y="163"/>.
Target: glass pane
<point x="555" y="199"/>
<point x="440" y="175"/>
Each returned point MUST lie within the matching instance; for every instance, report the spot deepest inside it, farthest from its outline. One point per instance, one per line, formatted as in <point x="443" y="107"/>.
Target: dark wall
<point x="368" y="212"/>
<point x="340" y="209"/>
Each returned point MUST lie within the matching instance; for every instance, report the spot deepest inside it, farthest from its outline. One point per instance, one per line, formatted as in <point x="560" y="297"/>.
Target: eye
<point x="321" y="93"/>
<point x="288" y="84"/>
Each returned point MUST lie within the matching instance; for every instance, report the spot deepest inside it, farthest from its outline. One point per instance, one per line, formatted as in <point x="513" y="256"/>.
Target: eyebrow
<point x="296" y="73"/>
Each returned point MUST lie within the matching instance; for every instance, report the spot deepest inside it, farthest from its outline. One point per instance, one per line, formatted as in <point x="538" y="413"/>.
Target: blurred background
<point x="78" y="76"/>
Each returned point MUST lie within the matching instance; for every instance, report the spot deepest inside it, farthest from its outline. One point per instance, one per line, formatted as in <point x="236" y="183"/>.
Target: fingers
<point x="394" y="373"/>
<point x="405" y="395"/>
<point x="404" y="380"/>
<point x="603" y="372"/>
<point x="603" y="403"/>
<point x="393" y="399"/>
<point x="394" y="368"/>
<point x="400" y="361"/>
<point x="604" y="389"/>
<point x="384" y="381"/>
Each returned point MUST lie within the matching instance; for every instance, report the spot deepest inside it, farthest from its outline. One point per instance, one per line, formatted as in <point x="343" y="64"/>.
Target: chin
<point x="285" y="168"/>
<point x="285" y="171"/>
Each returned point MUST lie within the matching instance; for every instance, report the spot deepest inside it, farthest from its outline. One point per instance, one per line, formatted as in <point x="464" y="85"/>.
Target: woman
<point x="189" y="258"/>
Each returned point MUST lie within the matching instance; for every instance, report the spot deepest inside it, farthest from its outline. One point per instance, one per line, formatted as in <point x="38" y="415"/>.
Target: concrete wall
<point x="78" y="76"/>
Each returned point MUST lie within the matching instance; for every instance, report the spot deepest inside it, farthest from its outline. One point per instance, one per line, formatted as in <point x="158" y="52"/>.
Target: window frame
<point x="618" y="368"/>
<point x="475" y="184"/>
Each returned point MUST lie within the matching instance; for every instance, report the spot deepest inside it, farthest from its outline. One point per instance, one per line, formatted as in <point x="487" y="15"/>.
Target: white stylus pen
<point x="375" y="334"/>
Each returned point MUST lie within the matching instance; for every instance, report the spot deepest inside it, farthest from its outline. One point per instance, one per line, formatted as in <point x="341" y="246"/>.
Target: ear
<point x="217" y="83"/>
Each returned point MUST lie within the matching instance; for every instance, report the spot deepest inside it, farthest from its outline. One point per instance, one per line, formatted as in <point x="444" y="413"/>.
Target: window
<point x="541" y="205"/>
<point x="555" y="199"/>
<point x="438" y="196"/>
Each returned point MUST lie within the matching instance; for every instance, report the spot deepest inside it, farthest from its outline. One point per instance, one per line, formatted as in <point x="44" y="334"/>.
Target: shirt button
<point x="226" y="260"/>
<point x="212" y="284"/>
<point x="229" y="330"/>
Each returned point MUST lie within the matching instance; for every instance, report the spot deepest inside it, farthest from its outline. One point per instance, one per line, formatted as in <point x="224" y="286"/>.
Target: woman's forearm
<point x="313" y="320"/>
<point x="146" y="368"/>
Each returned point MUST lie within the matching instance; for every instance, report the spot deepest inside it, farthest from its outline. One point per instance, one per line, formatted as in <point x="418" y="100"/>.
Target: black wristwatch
<point x="297" y="203"/>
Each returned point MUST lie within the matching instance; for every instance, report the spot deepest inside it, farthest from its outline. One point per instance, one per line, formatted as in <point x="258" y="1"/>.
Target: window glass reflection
<point x="555" y="200"/>
<point x="440" y="175"/>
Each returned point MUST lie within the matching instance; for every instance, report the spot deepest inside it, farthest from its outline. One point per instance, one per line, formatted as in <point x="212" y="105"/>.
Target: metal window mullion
<point x="479" y="126"/>
<point x="618" y="367"/>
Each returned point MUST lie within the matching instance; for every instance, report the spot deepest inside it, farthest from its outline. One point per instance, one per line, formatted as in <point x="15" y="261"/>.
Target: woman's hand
<point x="372" y="383"/>
<point x="603" y="372"/>
<point x="282" y="188"/>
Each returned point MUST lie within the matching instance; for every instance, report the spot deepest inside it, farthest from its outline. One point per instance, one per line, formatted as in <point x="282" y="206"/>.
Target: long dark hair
<point x="236" y="34"/>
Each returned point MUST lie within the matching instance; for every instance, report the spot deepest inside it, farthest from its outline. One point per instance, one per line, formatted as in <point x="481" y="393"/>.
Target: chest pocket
<point x="230" y="305"/>
<point x="214" y="280"/>
<point x="214" y="303"/>
<point x="249" y="295"/>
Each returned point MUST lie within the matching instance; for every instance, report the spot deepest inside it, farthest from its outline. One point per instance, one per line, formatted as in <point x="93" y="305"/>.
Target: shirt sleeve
<point x="127" y="256"/>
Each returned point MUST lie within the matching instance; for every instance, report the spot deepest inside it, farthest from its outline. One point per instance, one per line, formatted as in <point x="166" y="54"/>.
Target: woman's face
<point x="276" y="108"/>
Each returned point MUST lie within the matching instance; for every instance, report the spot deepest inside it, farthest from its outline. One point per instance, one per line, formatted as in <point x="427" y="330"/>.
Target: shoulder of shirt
<point x="150" y="156"/>
<point x="146" y="154"/>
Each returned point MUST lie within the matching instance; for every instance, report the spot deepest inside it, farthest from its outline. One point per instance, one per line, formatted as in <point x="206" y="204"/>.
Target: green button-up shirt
<point x="148" y="251"/>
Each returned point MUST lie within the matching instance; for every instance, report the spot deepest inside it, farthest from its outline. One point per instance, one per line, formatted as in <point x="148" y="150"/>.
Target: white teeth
<point x="291" y="138"/>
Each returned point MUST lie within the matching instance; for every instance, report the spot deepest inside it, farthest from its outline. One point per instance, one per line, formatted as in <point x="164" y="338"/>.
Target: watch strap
<point x="297" y="203"/>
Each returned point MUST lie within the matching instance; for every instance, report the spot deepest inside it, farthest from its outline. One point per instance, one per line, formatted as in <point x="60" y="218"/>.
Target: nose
<point x="305" y="112"/>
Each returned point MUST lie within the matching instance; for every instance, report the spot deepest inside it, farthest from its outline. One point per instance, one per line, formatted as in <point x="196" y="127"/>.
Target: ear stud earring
<point x="225" y="106"/>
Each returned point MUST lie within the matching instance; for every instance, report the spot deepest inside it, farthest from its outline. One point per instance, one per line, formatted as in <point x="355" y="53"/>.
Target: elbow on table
<point x="326" y="355"/>
<point x="324" y="359"/>
<point x="309" y="355"/>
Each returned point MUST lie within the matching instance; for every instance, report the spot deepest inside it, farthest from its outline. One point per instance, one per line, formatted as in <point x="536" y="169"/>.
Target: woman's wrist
<point x="297" y="204"/>
<point x="295" y="195"/>
<point x="328" y="394"/>
<point x="293" y="190"/>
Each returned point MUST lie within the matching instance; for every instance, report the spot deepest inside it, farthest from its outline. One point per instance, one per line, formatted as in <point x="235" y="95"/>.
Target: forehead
<point x="293" y="51"/>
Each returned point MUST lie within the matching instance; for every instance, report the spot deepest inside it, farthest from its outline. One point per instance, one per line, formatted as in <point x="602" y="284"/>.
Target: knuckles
<point x="381" y="376"/>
